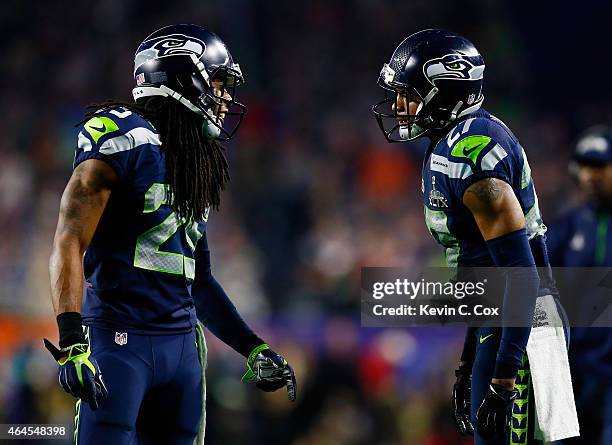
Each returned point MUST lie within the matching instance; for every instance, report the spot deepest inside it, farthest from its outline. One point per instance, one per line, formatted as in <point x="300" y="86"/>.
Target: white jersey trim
<point x="83" y="142"/>
<point x="132" y="139"/>
<point x="492" y="158"/>
<point x="454" y="170"/>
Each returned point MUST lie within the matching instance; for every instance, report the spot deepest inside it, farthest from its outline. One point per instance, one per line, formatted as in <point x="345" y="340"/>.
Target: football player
<point x="581" y="238"/>
<point x="145" y="177"/>
<point x="481" y="206"/>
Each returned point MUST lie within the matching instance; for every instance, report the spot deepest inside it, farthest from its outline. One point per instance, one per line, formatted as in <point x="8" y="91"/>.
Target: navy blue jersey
<point x="140" y="263"/>
<point x="582" y="238"/>
<point x="478" y="147"/>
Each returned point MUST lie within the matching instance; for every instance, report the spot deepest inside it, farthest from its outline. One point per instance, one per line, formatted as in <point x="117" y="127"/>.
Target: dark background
<point x="316" y="191"/>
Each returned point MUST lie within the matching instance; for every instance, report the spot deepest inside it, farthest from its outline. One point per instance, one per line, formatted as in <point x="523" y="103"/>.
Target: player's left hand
<point x="462" y="393"/>
<point x="270" y="371"/>
<point x="493" y="417"/>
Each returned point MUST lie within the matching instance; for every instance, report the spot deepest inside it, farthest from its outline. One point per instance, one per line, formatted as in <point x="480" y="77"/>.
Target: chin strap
<point x="163" y="90"/>
<point x="212" y="127"/>
<point x="408" y="133"/>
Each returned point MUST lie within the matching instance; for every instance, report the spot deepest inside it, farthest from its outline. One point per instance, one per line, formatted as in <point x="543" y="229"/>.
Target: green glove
<point x="79" y="373"/>
<point x="270" y="371"/>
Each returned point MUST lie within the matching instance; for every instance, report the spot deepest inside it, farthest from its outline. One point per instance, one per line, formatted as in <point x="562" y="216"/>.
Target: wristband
<point x="70" y="326"/>
<point x="249" y="375"/>
<point x="256" y="351"/>
<point x="465" y="369"/>
<point x="505" y="370"/>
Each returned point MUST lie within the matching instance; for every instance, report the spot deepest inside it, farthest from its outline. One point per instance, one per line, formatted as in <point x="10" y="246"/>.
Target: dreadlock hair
<point x="196" y="167"/>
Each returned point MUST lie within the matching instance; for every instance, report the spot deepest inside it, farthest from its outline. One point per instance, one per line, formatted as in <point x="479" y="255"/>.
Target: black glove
<point x="79" y="373"/>
<point x="270" y="371"/>
<point x="495" y="412"/>
<point x="462" y="392"/>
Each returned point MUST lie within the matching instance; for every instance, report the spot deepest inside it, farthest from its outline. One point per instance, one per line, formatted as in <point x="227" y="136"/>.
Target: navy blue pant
<point x="155" y="391"/>
<point x="522" y="429"/>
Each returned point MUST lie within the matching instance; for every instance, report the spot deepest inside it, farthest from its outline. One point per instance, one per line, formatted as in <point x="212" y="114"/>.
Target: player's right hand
<point x="79" y="373"/>
<point x="462" y="393"/>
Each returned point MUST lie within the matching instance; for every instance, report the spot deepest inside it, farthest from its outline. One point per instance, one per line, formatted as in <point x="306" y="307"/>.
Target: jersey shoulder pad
<point x="482" y="142"/>
<point x="115" y="130"/>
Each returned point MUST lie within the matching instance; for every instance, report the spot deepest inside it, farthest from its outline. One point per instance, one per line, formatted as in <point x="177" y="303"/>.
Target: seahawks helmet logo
<point x="178" y="44"/>
<point x="170" y="45"/>
<point x="452" y="67"/>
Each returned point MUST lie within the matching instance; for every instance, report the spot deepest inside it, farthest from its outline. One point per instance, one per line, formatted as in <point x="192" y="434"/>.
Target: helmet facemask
<point x="401" y="127"/>
<point x="223" y="114"/>
<point x="429" y="115"/>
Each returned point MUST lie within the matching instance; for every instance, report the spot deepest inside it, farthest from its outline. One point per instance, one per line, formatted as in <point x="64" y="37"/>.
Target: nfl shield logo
<point x="140" y="79"/>
<point x="121" y="338"/>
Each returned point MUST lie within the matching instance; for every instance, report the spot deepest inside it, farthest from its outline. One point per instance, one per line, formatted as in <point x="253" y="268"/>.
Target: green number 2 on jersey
<point x="148" y="254"/>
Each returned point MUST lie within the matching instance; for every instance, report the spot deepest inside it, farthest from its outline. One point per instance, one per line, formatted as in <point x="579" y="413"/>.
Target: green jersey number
<point x="148" y="254"/>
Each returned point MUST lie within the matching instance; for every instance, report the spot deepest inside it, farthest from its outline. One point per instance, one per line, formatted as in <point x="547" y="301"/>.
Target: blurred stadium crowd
<point x="316" y="193"/>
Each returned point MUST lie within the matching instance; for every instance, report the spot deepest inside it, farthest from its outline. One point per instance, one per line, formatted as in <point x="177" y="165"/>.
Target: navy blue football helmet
<point x="440" y="69"/>
<point x="594" y="146"/>
<point x="181" y="61"/>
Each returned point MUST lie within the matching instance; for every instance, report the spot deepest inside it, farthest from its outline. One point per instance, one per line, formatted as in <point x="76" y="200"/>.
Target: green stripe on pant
<point x="202" y="355"/>
<point x="519" y="424"/>
<point x="523" y="411"/>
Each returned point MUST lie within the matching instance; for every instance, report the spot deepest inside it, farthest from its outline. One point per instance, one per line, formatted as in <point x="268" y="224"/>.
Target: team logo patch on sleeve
<point x="98" y="126"/>
<point x="470" y="147"/>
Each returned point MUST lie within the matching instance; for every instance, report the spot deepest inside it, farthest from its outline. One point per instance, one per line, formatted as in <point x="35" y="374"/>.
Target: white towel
<point x="556" y="416"/>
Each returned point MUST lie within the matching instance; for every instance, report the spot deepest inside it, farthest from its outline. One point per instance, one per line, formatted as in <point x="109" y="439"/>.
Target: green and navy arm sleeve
<point x="483" y="157"/>
<point x="215" y="309"/>
<point x="104" y="137"/>
<point x="512" y="253"/>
